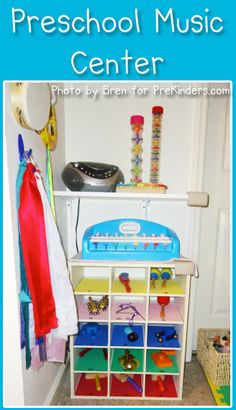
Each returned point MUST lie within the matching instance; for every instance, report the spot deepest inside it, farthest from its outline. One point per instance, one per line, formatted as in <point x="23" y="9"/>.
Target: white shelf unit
<point x="106" y="330"/>
<point x="192" y="198"/>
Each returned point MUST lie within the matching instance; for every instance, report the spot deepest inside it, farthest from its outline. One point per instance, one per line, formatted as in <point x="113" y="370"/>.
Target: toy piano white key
<point x="140" y="239"/>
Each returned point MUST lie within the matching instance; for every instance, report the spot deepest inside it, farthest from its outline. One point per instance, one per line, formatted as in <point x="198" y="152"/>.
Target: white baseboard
<point x="55" y="385"/>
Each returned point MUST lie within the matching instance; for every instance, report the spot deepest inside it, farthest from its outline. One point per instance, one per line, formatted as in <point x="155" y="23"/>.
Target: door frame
<point x="196" y="184"/>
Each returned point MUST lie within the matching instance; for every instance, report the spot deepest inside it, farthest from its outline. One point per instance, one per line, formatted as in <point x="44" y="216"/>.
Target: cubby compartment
<point x="119" y="357"/>
<point x="162" y="361"/>
<point x="126" y="385"/>
<point x="160" y="386"/>
<point x="125" y="334"/>
<point x="128" y="308"/>
<point x="171" y="311"/>
<point x="90" y="279"/>
<point x="92" y="334"/>
<point x="165" y="337"/>
<point x="92" y="308"/>
<point x="160" y="275"/>
<point x="129" y="280"/>
<point x="90" y="359"/>
<point x="174" y="286"/>
<point x="91" y="384"/>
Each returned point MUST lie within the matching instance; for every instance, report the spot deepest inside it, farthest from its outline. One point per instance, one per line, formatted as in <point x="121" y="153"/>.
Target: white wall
<point x="99" y="130"/>
<point x="36" y="386"/>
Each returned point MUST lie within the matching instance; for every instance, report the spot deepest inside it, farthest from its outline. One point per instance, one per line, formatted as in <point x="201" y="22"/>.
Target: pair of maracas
<point x="165" y="274"/>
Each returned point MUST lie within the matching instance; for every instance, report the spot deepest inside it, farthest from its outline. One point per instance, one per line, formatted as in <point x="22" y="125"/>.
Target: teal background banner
<point x="40" y="55"/>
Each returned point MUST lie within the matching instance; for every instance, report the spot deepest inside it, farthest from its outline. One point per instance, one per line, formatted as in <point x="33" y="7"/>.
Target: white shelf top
<point x="78" y="261"/>
<point x="121" y="195"/>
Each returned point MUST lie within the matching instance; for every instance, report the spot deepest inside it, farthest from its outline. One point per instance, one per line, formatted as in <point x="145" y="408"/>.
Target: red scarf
<point x="35" y="254"/>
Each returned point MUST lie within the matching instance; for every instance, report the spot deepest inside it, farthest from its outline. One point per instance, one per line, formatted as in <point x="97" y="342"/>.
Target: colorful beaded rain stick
<point x="136" y="122"/>
<point x="157" y="113"/>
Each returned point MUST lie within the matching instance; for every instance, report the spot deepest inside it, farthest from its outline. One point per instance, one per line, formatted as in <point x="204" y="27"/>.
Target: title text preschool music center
<point x="87" y="23"/>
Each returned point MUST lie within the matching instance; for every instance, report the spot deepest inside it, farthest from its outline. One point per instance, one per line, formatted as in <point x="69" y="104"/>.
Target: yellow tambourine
<point x="49" y="133"/>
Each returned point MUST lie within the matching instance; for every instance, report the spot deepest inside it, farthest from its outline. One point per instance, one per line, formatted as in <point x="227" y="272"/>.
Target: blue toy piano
<point x="130" y="239"/>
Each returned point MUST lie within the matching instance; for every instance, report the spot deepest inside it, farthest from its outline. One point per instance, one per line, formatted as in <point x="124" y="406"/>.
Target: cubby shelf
<point x="119" y="338"/>
<point x="122" y="309"/>
<point x="172" y="288"/>
<point x="84" y="316"/>
<point x="172" y="314"/>
<point x="119" y="389"/>
<point x="87" y="388"/>
<point x="152" y="368"/>
<point x="92" y="361"/>
<point x="103" y="337"/>
<point x="152" y="388"/>
<point x="88" y="285"/>
<point x="97" y="335"/>
<point x="139" y="287"/>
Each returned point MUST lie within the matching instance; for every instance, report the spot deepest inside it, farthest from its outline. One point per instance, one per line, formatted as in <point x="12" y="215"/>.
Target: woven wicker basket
<point x="216" y="365"/>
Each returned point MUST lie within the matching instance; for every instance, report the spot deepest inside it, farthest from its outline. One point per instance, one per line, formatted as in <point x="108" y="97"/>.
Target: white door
<point x="212" y="307"/>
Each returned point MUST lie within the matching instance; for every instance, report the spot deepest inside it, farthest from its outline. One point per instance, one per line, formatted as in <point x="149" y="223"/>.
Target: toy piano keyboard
<point x="129" y="239"/>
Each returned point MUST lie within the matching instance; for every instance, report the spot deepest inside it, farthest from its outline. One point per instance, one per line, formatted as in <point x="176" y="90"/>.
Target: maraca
<point x="166" y="274"/>
<point x="163" y="301"/>
<point x="154" y="275"/>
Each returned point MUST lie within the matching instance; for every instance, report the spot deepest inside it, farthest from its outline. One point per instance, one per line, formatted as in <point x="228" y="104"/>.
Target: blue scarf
<point x="24" y="295"/>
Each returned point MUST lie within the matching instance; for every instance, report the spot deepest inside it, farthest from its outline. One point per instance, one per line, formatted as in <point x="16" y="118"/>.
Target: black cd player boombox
<point x="91" y="176"/>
